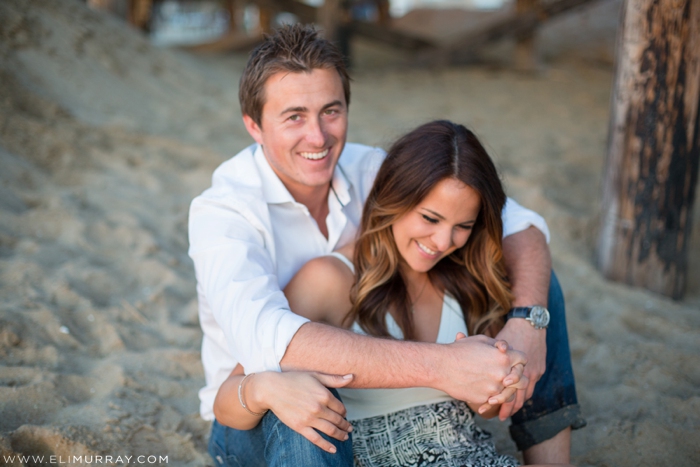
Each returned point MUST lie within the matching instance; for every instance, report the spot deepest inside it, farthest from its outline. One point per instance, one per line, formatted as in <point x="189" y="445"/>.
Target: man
<point x="297" y="194"/>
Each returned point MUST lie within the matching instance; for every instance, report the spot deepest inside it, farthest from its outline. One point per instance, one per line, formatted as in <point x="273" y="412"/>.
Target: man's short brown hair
<point x="297" y="48"/>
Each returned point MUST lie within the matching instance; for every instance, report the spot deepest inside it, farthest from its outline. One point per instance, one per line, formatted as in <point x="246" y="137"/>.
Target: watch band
<point x="519" y="312"/>
<point x="537" y="315"/>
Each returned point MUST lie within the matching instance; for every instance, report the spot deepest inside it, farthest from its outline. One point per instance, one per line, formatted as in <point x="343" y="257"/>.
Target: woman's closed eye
<point x="434" y="220"/>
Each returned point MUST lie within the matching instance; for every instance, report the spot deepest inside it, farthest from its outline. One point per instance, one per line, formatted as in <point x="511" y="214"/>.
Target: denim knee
<point x="229" y="447"/>
<point x="286" y="447"/>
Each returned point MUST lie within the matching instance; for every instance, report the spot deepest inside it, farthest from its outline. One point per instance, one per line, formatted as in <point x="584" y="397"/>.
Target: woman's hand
<point x="523" y="336"/>
<point x="513" y="381"/>
<point x="302" y="401"/>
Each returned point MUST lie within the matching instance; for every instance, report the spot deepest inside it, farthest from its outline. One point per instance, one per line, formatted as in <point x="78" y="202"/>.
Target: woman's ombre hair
<point x="474" y="274"/>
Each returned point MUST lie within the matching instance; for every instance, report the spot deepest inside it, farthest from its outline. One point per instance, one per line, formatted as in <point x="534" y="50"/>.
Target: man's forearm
<point x="529" y="266"/>
<point x="376" y="363"/>
<point x="472" y="369"/>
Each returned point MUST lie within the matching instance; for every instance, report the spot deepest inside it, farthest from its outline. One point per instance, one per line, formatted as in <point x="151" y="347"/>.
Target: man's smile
<point x="314" y="156"/>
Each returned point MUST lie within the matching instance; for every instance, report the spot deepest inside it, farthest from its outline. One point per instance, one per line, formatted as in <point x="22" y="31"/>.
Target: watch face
<point x="539" y="316"/>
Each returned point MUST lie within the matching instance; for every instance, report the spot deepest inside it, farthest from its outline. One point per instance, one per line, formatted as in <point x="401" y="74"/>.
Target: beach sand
<point x="104" y="141"/>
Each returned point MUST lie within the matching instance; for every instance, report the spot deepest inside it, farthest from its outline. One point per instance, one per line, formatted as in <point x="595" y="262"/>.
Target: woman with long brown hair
<point x="445" y="158"/>
<point x="427" y="266"/>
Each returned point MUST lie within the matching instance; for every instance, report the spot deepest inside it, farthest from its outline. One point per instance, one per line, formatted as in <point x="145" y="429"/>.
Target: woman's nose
<point x="443" y="239"/>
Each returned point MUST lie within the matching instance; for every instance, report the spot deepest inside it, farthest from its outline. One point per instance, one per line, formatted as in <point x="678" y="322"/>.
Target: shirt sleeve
<point x="237" y="276"/>
<point x="517" y="218"/>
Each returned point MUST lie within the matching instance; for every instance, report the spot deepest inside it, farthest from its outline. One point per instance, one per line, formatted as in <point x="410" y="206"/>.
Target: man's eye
<point x="331" y="111"/>
<point x="432" y="220"/>
<point x="295" y="118"/>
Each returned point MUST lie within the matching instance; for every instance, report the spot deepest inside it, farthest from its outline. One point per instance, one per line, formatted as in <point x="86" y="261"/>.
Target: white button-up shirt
<point x="248" y="237"/>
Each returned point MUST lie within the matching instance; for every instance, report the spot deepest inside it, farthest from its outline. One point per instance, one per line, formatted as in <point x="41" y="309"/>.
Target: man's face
<point x="303" y="127"/>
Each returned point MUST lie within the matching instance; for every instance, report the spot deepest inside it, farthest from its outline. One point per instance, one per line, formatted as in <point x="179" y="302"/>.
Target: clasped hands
<point x="515" y="380"/>
<point x="491" y="382"/>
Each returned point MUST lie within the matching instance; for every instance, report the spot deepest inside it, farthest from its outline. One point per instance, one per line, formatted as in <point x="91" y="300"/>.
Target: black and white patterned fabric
<point x="438" y="435"/>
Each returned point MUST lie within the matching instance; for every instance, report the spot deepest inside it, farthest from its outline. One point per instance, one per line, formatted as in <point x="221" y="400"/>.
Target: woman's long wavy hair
<point x="474" y="274"/>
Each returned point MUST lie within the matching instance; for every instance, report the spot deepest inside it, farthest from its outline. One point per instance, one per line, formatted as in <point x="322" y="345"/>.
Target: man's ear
<point x="253" y="128"/>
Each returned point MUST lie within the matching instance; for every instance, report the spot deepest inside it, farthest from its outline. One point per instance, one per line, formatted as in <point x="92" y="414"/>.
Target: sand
<point x="104" y="140"/>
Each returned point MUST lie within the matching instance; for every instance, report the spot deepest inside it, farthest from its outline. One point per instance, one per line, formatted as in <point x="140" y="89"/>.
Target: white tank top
<point x="365" y="403"/>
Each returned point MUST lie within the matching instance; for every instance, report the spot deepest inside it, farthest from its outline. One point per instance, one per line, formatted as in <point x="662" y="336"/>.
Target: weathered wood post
<point x="653" y="147"/>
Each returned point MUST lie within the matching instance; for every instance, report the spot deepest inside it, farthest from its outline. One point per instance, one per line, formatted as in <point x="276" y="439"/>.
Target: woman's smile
<point x="440" y="224"/>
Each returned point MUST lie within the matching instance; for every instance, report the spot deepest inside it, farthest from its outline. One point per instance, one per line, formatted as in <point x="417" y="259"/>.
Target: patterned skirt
<point x="439" y="435"/>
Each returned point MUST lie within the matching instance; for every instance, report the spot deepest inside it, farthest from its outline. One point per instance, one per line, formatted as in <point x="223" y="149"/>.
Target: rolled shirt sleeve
<point x="236" y="275"/>
<point x="517" y="218"/>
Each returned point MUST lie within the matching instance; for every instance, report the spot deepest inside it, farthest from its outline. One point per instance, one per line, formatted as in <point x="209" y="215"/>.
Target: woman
<point x="429" y="248"/>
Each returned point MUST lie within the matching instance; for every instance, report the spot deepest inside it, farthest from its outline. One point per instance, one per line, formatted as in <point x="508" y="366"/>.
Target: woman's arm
<point x="228" y="409"/>
<point x="300" y="400"/>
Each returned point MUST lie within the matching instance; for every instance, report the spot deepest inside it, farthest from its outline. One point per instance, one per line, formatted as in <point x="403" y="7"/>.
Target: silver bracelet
<point x="240" y="398"/>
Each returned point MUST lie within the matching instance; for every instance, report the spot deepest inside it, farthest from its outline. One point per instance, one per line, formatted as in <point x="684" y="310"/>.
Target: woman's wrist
<point x="253" y="393"/>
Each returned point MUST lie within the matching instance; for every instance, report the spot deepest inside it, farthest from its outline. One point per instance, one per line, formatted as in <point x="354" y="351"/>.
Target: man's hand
<point x="475" y="368"/>
<point x="521" y="335"/>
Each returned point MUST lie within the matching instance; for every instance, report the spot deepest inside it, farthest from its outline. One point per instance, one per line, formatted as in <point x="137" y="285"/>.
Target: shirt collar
<point x="273" y="189"/>
<point x="275" y="192"/>
<point x="340" y="186"/>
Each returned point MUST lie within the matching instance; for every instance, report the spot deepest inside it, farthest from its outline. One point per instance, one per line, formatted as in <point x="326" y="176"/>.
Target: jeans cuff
<point x="530" y="433"/>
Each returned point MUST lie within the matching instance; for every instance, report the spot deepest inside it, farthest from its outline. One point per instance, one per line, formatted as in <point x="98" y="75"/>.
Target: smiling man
<point x="297" y="194"/>
<point x="302" y="130"/>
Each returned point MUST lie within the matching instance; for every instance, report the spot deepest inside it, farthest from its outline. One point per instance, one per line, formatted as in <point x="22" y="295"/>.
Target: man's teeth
<point x="314" y="156"/>
<point x="426" y="249"/>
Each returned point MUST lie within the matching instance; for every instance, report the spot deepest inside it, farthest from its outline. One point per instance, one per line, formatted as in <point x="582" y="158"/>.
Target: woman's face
<point x="438" y="225"/>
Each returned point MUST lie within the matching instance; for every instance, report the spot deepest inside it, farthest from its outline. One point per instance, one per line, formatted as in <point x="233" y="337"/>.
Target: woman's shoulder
<point x="337" y="264"/>
<point x="334" y="267"/>
<point x="321" y="290"/>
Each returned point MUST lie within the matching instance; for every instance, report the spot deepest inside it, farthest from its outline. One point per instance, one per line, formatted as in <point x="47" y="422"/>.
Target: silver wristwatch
<point x="537" y="315"/>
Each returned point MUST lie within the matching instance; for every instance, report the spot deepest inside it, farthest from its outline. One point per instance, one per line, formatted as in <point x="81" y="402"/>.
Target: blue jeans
<point x="553" y="408"/>
<point x="273" y="444"/>
<point x="554" y="405"/>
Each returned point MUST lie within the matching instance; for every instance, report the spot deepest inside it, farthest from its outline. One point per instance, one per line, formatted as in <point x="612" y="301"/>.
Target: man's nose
<point x="315" y="133"/>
